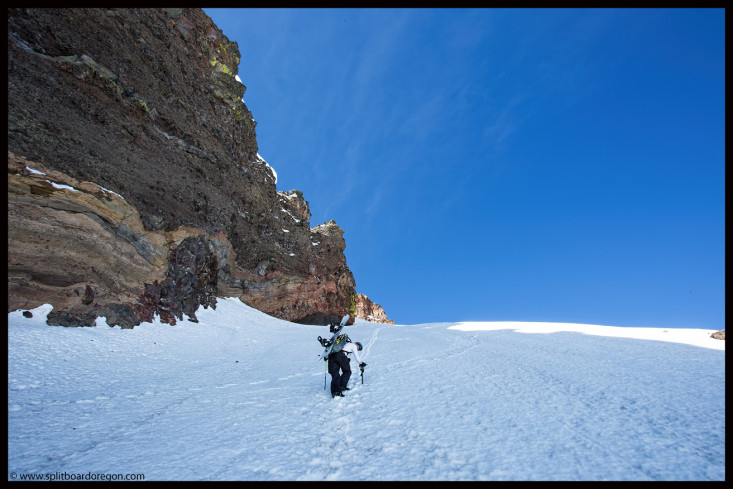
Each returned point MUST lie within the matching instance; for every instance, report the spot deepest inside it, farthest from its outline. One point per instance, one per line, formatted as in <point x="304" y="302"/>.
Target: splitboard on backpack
<point x="337" y="340"/>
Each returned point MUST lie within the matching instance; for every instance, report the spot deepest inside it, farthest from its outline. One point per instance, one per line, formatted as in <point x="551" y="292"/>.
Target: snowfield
<point x="240" y="396"/>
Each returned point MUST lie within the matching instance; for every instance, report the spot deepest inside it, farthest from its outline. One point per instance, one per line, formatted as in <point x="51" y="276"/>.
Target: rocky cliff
<point x="366" y="309"/>
<point x="134" y="183"/>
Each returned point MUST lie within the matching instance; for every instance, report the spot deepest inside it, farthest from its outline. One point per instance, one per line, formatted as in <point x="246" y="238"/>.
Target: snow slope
<point x="240" y="396"/>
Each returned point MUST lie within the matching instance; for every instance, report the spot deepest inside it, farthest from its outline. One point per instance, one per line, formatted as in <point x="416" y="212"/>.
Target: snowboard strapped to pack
<point x="341" y="340"/>
<point x="337" y="341"/>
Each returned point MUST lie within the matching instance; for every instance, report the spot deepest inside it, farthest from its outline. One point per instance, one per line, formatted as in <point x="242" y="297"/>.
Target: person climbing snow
<point x="340" y="361"/>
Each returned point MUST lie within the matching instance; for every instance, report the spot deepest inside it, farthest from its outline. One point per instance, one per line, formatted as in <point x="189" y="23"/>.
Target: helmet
<point x="358" y="345"/>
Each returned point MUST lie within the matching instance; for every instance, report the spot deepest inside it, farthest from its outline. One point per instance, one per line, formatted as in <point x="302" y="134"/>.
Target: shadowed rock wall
<point x="134" y="183"/>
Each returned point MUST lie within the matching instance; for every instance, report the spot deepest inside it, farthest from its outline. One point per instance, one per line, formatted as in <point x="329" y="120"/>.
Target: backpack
<point x="341" y="340"/>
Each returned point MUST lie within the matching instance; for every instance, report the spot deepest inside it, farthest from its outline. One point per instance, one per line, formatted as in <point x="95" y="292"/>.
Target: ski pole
<point x="362" y="375"/>
<point x="324" y="375"/>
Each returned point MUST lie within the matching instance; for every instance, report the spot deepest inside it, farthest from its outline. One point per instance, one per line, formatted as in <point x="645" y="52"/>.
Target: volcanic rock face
<point x="134" y="184"/>
<point x="366" y="309"/>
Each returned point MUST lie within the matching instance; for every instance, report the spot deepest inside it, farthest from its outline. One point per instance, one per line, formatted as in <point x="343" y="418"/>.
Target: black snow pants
<point x="339" y="361"/>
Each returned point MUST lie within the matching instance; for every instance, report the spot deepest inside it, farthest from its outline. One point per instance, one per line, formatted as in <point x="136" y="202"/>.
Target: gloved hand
<point x="362" y="365"/>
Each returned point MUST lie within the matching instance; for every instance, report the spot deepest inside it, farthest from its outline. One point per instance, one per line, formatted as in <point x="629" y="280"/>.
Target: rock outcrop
<point x="719" y="335"/>
<point x="134" y="184"/>
<point x="366" y="309"/>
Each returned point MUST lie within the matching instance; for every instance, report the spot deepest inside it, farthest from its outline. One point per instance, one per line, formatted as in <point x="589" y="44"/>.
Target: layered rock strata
<point x="135" y="187"/>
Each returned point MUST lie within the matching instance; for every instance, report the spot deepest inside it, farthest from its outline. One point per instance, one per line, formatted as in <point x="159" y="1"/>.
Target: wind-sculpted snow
<point x="240" y="396"/>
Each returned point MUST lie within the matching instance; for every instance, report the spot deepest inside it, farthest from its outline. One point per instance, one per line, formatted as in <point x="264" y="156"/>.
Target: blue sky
<point x="560" y="165"/>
